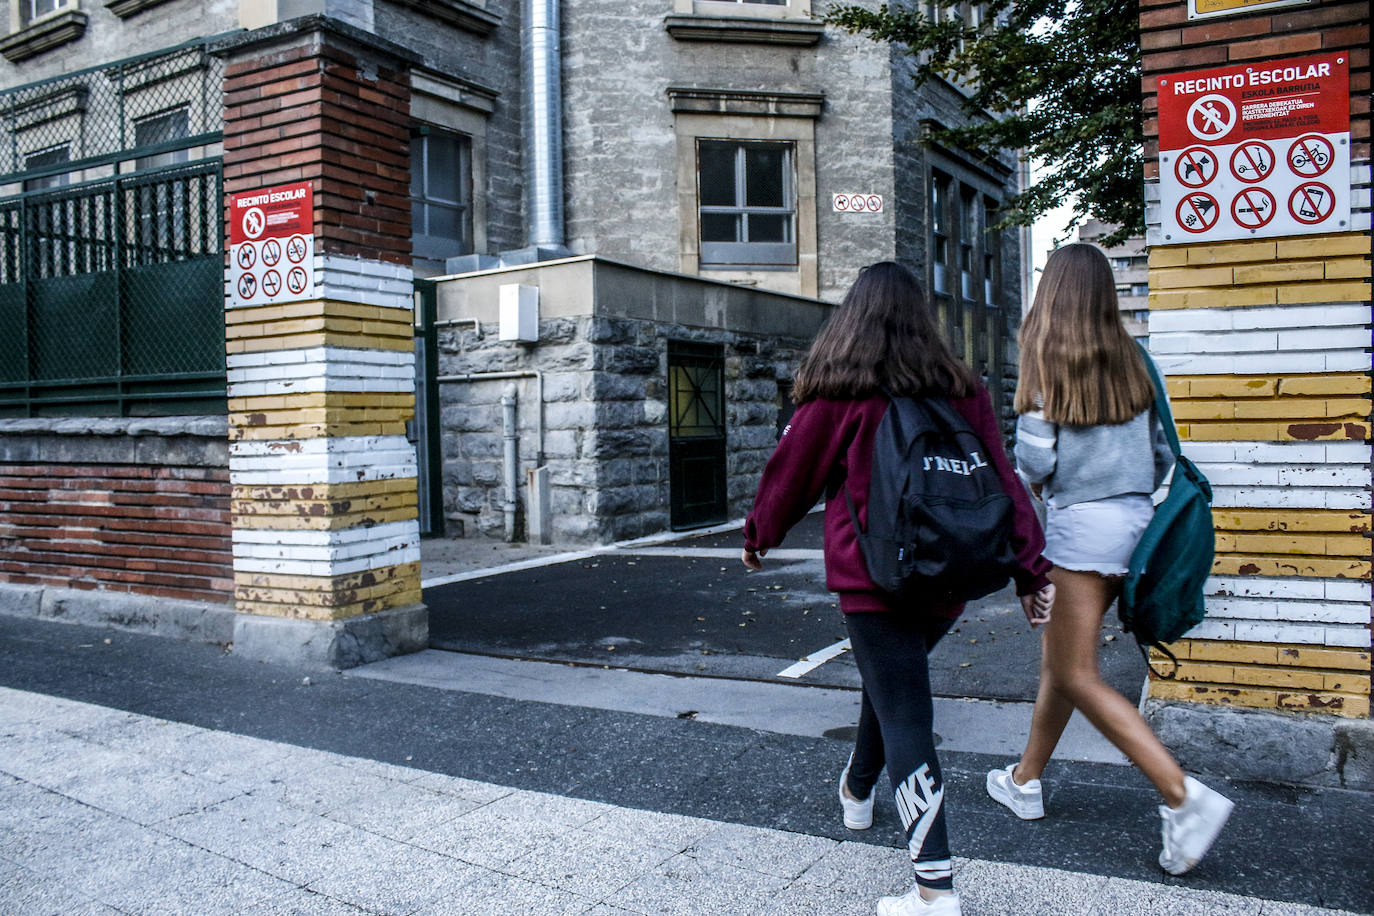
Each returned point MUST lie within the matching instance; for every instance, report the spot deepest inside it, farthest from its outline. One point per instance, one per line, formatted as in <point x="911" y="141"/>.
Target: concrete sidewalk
<point x="105" y="811"/>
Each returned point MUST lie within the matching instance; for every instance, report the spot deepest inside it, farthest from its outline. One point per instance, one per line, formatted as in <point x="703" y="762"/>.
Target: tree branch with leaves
<point x="1057" y="80"/>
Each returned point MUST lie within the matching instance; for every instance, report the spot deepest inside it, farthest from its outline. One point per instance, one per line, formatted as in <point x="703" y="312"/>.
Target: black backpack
<point x="939" y="522"/>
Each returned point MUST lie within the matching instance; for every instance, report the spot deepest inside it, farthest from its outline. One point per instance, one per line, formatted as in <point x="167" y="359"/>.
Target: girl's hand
<point x="1037" y="605"/>
<point x="751" y="558"/>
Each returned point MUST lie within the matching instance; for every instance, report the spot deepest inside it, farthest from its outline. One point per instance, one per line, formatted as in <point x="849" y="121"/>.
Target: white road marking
<point x="815" y="660"/>
<point x="726" y="553"/>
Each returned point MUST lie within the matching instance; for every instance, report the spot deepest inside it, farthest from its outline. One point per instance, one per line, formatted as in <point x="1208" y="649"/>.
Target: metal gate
<point x="696" y="434"/>
<point x="423" y="431"/>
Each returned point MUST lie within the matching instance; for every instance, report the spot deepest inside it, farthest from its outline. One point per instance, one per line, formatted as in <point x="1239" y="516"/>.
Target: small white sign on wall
<point x="857" y="203"/>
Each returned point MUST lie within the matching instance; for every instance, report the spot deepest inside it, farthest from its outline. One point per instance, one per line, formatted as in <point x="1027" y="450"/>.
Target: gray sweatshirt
<point x="1077" y="464"/>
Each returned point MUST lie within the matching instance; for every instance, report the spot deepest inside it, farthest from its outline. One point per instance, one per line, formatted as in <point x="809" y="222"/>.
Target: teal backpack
<point x="1162" y="596"/>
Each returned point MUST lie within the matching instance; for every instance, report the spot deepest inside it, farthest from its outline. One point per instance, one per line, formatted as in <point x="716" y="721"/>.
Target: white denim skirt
<point x="1097" y="536"/>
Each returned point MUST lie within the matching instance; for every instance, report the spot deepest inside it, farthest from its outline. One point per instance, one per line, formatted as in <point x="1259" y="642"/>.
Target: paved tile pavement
<point x="104" y="811"/>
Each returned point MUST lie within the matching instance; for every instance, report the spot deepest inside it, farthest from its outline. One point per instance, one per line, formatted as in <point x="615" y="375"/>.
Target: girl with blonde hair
<point x="1089" y="441"/>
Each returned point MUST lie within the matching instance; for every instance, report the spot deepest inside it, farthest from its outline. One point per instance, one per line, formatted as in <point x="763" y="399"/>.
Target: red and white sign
<point x="1248" y="138"/>
<point x="264" y="227"/>
<point x="857" y="203"/>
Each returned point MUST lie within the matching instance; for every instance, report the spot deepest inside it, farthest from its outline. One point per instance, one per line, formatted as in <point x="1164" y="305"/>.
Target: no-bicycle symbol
<point x="295" y="249"/>
<point x="296" y="280"/>
<point x="271" y="284"/>
<point x="1252" y="161"/>
<point x="248" y="285"/>
<point x="1311" y="155"/>
<point x="1197" y="212"/>
<point x="1195" y="167"/>
<point x="1311" y="203"/>
<point x="1253" y="208"/>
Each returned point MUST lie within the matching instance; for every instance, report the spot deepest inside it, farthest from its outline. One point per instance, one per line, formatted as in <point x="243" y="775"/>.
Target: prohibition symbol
<point x="1195" y="167"/>
<point x="1311" y="155"/>
<point x="271" y="252"/>
<point x="1197" y="212"/>
<point x="1211" y="117"/>
<point x="1311" y="203"/>
<point x="271" y="283"/>
<point x="840" y="202"/>
<point x="1252" y="161"/>
<point x="247" y="255"/>
<point x="1253" y="208"/>
<point x="875" y="203"/>
<point x="248" y="285"/>
<point x="254" y="222"/>
<point x="296" y="280"/>
<point x="295" y="249"/>
<point x="858" y="203"/>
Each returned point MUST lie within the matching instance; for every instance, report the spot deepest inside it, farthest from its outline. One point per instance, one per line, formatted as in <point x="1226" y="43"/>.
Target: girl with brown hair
<point x="1089" y="441"/>
<point x="883" y="339"/>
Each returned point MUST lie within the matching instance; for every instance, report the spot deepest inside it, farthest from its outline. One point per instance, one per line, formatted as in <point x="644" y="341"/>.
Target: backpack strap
<point x="1145" y="654"/>
<point x="1166" y="416"/>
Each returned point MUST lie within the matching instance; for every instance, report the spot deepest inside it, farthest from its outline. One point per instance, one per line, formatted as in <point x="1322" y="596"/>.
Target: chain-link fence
<point x="111" y="255"/>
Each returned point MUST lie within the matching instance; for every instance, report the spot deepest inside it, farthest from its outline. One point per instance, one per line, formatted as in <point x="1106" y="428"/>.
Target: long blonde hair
<point x="1078" y="363"/>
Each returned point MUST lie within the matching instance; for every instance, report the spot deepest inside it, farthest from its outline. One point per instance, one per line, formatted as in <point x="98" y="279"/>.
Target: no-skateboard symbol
<point x="248" y="285"/>
<point x="1195" y="167"/>
<point x="295" y="249"/>
<point x="1311" y="203"/>
<point x="296" y="280"/>
<point x="1252" y="161"/>
<point x="271" y="252"/>
<point x="271" y="284"/>
<point x="1197" y="212"/>
<point x="1253" y="208"/>
<point x="1211" y="117"/>
<point x="246" y="256"/>
<point x="1311" y="155"/>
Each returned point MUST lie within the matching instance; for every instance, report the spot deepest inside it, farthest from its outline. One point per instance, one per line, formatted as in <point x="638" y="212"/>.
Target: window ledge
<point x="469" y="17"/>
<point x="126" y="8"/>
<point x="685" y="100"/>
<point x="797" y="32"/>
<point x="44" y="35"/>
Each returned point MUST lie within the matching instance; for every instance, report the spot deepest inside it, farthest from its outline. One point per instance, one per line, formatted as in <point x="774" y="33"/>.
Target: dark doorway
<point x="423" y="431"/>
<point x="696" y="434"/>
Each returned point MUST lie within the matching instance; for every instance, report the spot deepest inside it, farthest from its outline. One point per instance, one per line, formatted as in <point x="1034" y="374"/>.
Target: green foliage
<point x="1061" y="76"/>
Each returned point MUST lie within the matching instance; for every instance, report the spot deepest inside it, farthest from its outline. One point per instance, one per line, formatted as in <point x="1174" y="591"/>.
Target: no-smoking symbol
<point x="295" y="249"/>
<point x="1311" y="203"/>
<point x="1311" y="155"/>
<point x="296" y="280"/>
<point x="271" y="252"/>
<point x="1197" y="212"/>
<point x="1252" y="161"/>
<point x="1253" y="208"/>
<point x="1196" y="167"/>
<point x="271" y="283"/>
<point x="247" y="256"/>
<point x="248" y="285"/>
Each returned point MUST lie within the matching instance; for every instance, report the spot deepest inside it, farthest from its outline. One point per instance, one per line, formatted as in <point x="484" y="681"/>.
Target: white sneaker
<point x="1190" y="830"/>
<point x="1025" y="801"/>
<point x="858" y="813"/>
<point x="913" y="904"/>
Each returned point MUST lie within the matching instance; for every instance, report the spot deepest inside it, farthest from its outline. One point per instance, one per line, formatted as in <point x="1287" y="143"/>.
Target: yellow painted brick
<point x="1315" y="567"/>
<point x="319" y="507"/>
<point x="1281" y="272"/>
<point x="1250" y="697"/>
<point x="1324" y="430"/>
<point x="1204" y="410"/>
<point x="1190" y="277"/>
<point x="323" y="491"/>
<point x="1347" y="269"/>
<point x="1233" y="386"/>
<point x="1210" y="672"/>
<point x="1346" y="383"/>
<point x="1324" y="246"/>
<point x="1322" y="657"/>
<point x="1293" y="520"/>
<point x="1294" y="408"/>
<point x="1178" y="387"/>
<point x="1315" y="545"/>
<point x="1240" y="653"/>
<point x="1337" y="704"/>
<point x="328" y="522"/>
<point x="1323" y="292"/>
<point x="348" y="580"/>
<point x="1230" y="432"/>
<point x="1283" y="678"/>
<point x="1170" y="256"/>
<point x="1221" y="297"/>
<point x="1346" y="683"/>
<point x="1234" y="253"/>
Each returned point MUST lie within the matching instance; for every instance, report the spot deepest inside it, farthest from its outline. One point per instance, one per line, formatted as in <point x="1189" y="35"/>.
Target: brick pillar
<point x="1264" y="337"/>
<point x="326" y="542"/>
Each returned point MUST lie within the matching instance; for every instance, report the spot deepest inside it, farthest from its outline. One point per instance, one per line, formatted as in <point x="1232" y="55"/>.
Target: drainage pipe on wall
<point x="511" y="457"/>
<point x="541" y="54"/>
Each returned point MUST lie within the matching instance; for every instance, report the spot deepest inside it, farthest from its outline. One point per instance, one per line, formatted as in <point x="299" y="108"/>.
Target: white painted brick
<point x="1349" y="452"/>
<point x="1213" y="629"/>
<point x="1171" y="321"/>
<point x="1208" y="452"/>
<point x="1280" y="633"/>
<point x="325" y="568"/>
<point x="1347" y="590"/>
<point x="1202" y="343"/>
<point x="1349" y="361"/>
<point x="1268" y="587"/>
<point x="330" y="538"/>
<point x="1333" y="475"/>
<point x="1347" y="499"/>
<point x="332" y="445"/>
<point x="1242" y="497"/>
<point x="1281" y="452"/>
<point x="1348" y="637"/>
<point x="1299" y="316"/>
<point x="1343" y="338"/>
<point x="1241" y="474"/>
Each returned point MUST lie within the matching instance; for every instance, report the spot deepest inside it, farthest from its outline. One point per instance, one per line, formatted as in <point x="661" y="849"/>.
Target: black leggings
<point x="895" y="728"/>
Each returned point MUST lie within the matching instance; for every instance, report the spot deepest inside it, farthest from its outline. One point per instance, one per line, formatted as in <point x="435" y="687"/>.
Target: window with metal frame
<point x="57" y="155"/>
<point x="939" y="230"/>
<point x="992" y="254"/>
<point x="440" y="193"/>
<point x="746" y="193"/>
<point x="970" y="232"/>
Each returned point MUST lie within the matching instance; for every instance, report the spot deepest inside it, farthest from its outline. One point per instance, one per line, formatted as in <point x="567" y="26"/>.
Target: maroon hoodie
<point x="829" y="444"/>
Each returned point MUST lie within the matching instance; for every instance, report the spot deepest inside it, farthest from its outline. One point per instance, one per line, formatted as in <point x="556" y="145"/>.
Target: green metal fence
<point x="111" y="248"/>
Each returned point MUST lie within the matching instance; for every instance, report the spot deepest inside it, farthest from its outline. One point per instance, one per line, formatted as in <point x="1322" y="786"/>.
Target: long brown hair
<point x="1078" y="363"/>
<point x="883" y="335"/>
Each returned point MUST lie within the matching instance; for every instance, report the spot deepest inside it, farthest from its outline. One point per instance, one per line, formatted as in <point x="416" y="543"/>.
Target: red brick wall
<point x="316" y="112"/>
<point x="1170" y="43"/>
<point x="160" y="531"/>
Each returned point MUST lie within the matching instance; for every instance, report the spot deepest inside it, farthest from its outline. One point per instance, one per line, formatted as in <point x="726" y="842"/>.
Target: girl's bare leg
<point x="1069" y="680"/>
